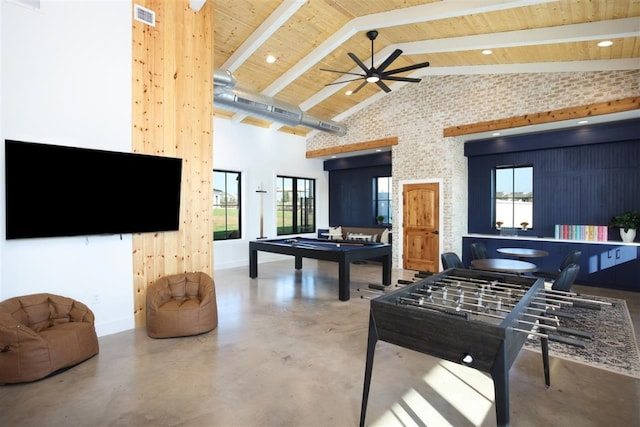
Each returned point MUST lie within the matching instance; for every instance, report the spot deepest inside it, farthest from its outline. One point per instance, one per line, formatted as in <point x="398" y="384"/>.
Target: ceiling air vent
<point x="251" y="104"/>
<point x="329" y="126"/>
<point x="145" y="15"/>
<point x="286" y="113"/>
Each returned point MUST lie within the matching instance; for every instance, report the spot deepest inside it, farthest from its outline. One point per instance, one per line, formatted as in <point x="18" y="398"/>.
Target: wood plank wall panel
<point x="172" y="116"/>
<point x="572" y="185"/>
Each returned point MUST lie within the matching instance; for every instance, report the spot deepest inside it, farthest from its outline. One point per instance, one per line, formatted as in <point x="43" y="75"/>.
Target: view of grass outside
<point x="285" y="220"/>
<point x="226" y="205"/>
<point x="225" y="221"/>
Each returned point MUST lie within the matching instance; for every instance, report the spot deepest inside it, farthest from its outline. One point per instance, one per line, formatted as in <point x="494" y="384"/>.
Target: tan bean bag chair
<point x="41" y="334"/>
<point x="181" y="305"/>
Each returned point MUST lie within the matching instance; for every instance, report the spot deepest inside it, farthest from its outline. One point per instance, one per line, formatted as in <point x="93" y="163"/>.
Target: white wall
<point x="260" y="155"/>
<point x="2" y="191"/>
<point x="66" y="79"/>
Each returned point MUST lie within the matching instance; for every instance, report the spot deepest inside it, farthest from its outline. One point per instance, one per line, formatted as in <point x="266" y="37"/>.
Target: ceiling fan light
<point x="373" y="79"/>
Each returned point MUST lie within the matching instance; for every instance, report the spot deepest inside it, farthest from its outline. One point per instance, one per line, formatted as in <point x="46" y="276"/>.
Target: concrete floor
<point x="287" y="352"/>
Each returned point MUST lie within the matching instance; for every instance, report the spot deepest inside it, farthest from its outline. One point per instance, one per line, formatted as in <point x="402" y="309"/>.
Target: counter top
<point x="549" y="239"/>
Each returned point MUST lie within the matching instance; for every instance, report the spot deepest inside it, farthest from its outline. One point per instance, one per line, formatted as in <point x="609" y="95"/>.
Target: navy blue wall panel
<point x="573" y="184"/>
<point x="351" y="195"/>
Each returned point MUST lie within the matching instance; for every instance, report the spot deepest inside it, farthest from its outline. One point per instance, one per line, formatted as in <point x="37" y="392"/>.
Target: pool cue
<point x="338" y="243"/>
<point x="371" y="292"/>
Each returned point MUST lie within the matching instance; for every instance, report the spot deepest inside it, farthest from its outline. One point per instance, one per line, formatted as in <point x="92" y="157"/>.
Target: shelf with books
<point x="588" y="233"/>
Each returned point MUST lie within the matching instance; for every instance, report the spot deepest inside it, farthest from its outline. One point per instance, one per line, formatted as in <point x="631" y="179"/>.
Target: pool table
<point x="340" y="251"/>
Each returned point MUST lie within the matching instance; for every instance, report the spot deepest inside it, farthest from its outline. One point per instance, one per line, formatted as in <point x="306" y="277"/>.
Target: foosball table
<point x="475" y="318"/>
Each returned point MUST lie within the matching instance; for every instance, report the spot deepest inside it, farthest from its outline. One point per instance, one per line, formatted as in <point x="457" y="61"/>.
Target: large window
<point x="513" y="197"/>
<point x="296" y="205"/>
<point x="226" y="205"/>
<point x="382" y="199"/>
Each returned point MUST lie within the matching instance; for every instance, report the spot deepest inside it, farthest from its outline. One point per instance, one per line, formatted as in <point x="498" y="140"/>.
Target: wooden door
<point x="420" y="222"/>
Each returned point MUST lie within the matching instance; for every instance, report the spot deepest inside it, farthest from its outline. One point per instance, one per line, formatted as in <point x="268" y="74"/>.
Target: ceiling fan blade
<point x="383" y="86"/>
<point x="359" y="87"/>
<point x="342" y="72"/>
<point x="357" y="61"/>
<point x="401" y="79"/>
<point x="344" y="81"/>
<point x="396" y="53"/>
<point x="408" y="68"/>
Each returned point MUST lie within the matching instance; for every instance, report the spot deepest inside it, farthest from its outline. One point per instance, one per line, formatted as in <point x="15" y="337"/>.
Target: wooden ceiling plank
<point x="525" y="35"/>
<point x="262" y="33"/>
<point x="609" y="107"/>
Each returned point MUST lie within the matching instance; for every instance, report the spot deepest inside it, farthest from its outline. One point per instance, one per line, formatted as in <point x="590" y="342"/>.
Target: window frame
<point x="307" y="212"/>
<point x="377" y="200"/>
<point x="228" y="233"/>
<point x="494" y="197"/>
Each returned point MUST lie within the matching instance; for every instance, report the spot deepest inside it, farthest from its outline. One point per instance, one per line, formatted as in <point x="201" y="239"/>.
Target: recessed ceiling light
<point x="583" y="122"/>
<point x="349" y="92"/>
<point x="378" y="150"/>
<point x="333" y="157"/>
<point x="496" y="134"/>
<point x="605" y="43"/>
<point x="487" y="52"/>
<point x="271" y="59"/>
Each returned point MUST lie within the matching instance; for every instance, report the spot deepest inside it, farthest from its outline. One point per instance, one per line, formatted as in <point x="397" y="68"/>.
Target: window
<point x="382" y="198"/>
<point x="226" y="205"/>
<point x="296" y="205"/>
<point x="513" y="197"/>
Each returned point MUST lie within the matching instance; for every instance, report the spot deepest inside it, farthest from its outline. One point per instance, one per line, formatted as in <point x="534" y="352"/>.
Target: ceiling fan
<point x="377" y="75"/>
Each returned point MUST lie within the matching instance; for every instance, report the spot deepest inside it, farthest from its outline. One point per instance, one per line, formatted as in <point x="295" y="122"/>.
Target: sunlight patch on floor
<point x="397" y="415"/>
<point x="469" y="392"/>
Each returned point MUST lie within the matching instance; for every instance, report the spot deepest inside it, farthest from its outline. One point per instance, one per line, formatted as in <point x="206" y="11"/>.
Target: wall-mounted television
<point x="53" y="191"/>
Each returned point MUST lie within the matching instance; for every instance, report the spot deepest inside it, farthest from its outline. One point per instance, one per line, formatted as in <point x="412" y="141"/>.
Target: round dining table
<point x="522" y="253"/>
<point x="504" y="265"/>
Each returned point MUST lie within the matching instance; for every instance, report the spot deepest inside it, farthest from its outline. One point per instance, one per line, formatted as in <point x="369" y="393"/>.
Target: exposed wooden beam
<point x="609" y="107"/>
<point x="350" y="148"/>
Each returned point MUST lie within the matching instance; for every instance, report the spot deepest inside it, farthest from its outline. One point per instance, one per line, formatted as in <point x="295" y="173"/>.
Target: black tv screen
<point x="54" y="191"/>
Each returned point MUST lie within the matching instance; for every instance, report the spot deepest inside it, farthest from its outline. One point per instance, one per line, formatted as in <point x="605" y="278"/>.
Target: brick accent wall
<point x="418" y="113"/>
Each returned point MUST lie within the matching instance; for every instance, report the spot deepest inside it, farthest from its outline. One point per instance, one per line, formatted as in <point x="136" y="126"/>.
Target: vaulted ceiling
<point x="307" y="35"/>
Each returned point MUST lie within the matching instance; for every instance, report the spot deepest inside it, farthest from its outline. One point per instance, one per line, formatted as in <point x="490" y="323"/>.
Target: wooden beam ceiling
<point x="350" y="148"/>
<point x="609" y="107"/>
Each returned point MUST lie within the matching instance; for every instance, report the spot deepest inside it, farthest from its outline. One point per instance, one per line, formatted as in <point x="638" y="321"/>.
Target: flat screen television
<point x="53" y="191"/>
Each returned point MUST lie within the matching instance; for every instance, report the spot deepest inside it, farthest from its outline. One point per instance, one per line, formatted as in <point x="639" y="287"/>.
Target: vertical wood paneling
<point x="572" y="185"/>
<point x="172" y="116"/>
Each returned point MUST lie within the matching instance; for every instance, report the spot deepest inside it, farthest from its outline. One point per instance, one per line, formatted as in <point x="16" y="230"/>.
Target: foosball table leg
<point x="544" y="342"/>
<point x="372" y="339"/>
<point x="500" y="375"/>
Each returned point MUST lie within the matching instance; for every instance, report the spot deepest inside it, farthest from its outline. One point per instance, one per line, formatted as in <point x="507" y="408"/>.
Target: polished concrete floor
<point x="287" y="352"/>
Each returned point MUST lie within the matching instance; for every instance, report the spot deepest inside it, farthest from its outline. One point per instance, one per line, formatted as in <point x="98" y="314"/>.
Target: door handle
<point x="435" y="232"/>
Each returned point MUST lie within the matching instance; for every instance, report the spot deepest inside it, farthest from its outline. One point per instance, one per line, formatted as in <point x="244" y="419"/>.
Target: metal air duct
<point x="227" y="95"/>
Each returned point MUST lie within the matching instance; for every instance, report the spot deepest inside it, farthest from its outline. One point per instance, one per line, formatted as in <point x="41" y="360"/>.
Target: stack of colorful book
<point x="594" y="233"/>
